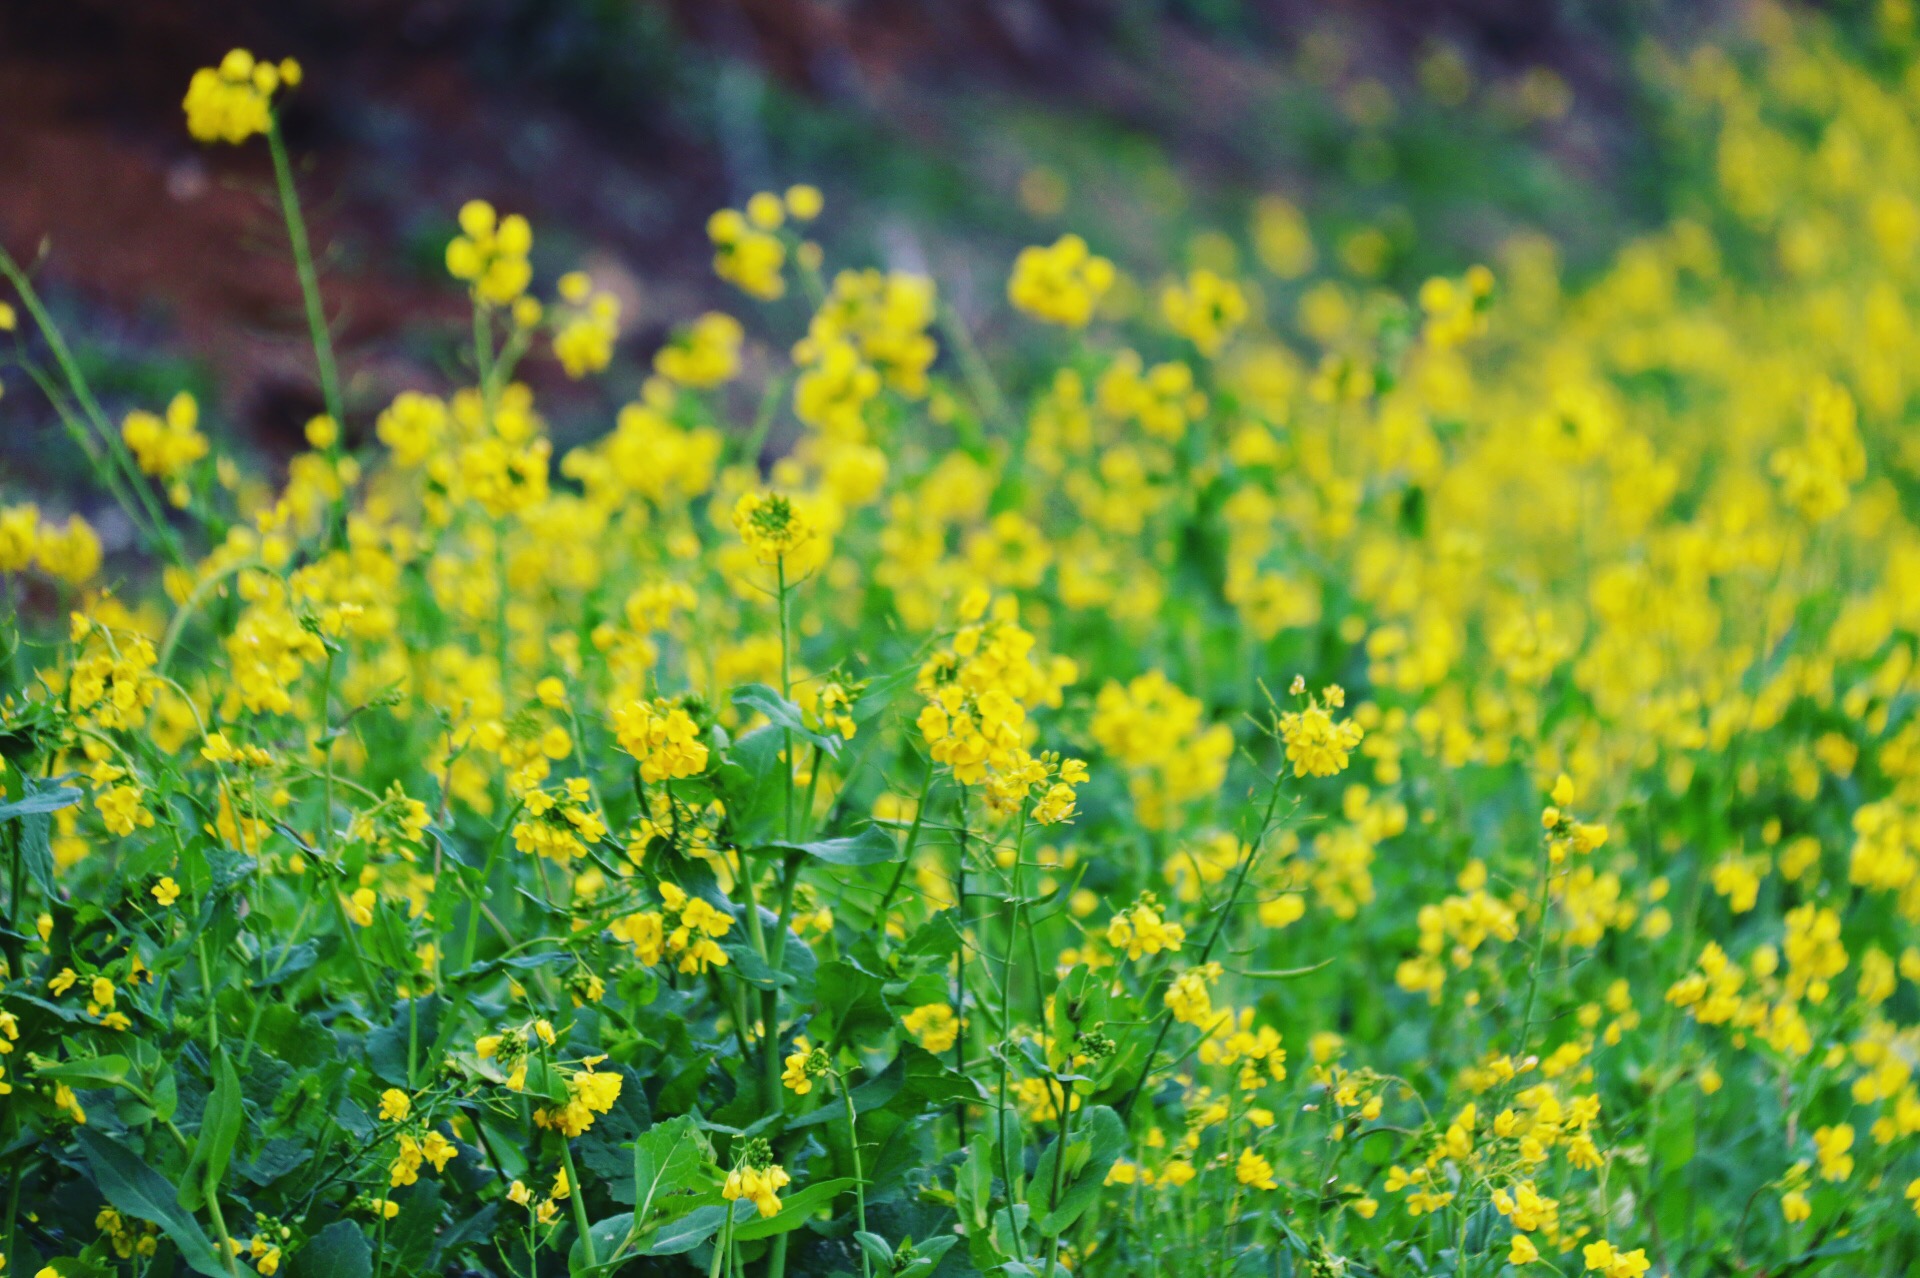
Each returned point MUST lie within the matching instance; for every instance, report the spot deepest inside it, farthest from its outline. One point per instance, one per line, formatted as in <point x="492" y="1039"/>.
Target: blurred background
<point x="1415" y="135"/>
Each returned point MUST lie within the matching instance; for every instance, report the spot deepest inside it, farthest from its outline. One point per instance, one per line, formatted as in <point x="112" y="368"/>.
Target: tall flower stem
<point x="859" y="1173"/>
<point x="309" y="278"/>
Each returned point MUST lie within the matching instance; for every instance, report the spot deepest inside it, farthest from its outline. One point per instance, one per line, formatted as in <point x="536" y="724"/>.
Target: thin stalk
<point x="859" y="1174"/>
<point x="906" y="859"/>
<point x="309" y="279"/>
<point x="960" y="968"/>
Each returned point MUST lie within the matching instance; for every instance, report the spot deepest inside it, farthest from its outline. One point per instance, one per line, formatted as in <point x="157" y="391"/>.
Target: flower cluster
<point x="234" y="101"/>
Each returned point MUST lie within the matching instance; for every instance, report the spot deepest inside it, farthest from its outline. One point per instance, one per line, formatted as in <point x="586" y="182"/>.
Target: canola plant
<point x="1298" y="780"/>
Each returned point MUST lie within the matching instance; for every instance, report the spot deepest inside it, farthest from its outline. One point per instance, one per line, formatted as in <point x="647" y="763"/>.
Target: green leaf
<point x="338" y="1251"/>
<point x="873" y="845"/>
<point x="475" y="1231"/>
<point x="1080" y="1003"/>
<point x="606" y="1149"/>
<point x="868" y="1096"/>
<point x="795" y="1210"/>
<point x="607" y="1235"/>
<point x="98" y="1071"/>
<point x="138" y="1190"/>
<point x="850" y="1000"/>
<point x="36" y="850"/>
<point x="782" y="713"/>
<point x="219" y="1129"/>
<point x="40" y="802"/>
<point x="932" y="1249"/>
<point x="1091" y="1150"/>
<point x="166" y="1095"/>
<point x="667" y="1159"/>
<point x="683" y="1234"/>
<point x="751" y="783"/>
<point x="874" y="1245"/>
<point x="973" y="1187"/>
<point x="754" y="970"/>
<point x="415" y="1025"/>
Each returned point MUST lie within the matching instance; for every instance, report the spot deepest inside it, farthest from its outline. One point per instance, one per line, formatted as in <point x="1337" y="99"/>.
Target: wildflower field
<point x="1257" y="774"/>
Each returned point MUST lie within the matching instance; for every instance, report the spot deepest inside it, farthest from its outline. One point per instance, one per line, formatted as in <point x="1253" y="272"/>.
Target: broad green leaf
<point x="973" y="1188"/>
<point x="684" y="1233"/>
<point x="36" y="850"/>
<point x="607" y="1235"/>
<point x="1096" y="1142"/>
<point x="751" y="968"/>
<point x="751" y="784"/>
<point x="124" y="1180"/>
<point x="338" y="1251"/>
<point x="219" y="1129"/>
<point x="667" y="1159"/>
<point x="1079" y="1004"/>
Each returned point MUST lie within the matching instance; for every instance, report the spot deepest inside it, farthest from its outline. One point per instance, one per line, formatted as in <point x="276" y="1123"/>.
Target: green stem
<point x="906" y="859"/>
<point x="960" y="970"/>
<point x="220" y="1228"/>
<point x="184" y="613"/>
<point x="309" y="280"/>
<point x="577" y="1196"/>
<point x="859" y="1174"/>
<point x="1539" y="951"/>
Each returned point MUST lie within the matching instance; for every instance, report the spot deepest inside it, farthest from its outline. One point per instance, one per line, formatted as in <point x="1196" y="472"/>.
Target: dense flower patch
<point x="1293" y="780"/>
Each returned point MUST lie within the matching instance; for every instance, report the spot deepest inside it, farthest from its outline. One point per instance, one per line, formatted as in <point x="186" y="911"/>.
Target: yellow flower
<point x="1317" y="743"/>
<point x="166" y="891"/>
<point x="231" y="102"/>
<point x="746" y="251"/>
<point x="490" y="253"/>
<point x="934" y="1026"/>
<point x="797" y="1076"/>
<point x="1254" y="1171"/>
<point x="1831" y="1145"/>
<point x="772" y="525"/>
<point x="437" y="1149"/>
<point x="1061" y="284"/>
<point x="1522" y="1251"/>
<point x="394" y="1105"/>
<point x="1205" y="310"/>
